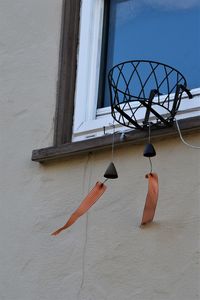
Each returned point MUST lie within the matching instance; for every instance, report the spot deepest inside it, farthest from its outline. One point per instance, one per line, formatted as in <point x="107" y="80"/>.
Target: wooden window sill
<point x="189" y="125"/>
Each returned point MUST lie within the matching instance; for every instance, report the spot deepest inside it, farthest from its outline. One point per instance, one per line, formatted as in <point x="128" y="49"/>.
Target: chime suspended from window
<point x="144" y="95"/>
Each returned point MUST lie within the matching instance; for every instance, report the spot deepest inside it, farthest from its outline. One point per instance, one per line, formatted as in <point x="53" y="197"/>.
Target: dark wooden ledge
<point x="190" y="125"/>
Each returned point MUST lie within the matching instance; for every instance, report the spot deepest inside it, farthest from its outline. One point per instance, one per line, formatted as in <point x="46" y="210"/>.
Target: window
<point x="96" y="34"/>
<point x="157" y="30"/>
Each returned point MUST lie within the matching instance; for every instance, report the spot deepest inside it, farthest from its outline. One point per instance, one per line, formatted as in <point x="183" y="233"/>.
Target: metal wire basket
<point x="143" y="92"/>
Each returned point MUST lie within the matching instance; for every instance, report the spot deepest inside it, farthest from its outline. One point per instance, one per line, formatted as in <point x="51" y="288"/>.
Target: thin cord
<point x="113" y="142"/>
<point x="149" y="132"/>
<point x="151" y="167"/>
<point x="150" y="164"/>
<point x="105" y="180"/>
<point x="182" y="139"/>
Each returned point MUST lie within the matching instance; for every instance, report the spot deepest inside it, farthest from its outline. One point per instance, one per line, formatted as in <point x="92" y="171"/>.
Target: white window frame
<point x="90" y="122"/>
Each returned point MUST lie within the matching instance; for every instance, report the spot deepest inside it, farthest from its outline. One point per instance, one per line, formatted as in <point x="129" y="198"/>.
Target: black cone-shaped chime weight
<point x="149" y="150"/>
<point x="111" y="172"/>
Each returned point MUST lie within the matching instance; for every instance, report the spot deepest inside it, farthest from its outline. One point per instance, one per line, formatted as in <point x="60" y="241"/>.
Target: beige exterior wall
<point x="106" y="255"/>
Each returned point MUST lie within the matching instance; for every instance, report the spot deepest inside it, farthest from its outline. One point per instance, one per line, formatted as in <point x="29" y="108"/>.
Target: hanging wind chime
<point x="96" y="192"/>
<point x="144" y="95"/>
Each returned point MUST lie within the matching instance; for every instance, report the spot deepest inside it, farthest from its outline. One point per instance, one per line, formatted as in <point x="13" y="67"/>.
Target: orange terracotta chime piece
<point x="151" y="199"/>
<point x="96" y="192"/>
<point x="89" y="200"/>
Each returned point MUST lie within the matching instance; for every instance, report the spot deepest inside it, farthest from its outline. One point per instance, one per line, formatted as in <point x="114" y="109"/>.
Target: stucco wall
<point x="105" y="255"/>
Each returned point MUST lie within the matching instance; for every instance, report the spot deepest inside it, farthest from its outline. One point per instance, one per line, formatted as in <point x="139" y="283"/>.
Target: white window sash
<point x="91" y="24"/>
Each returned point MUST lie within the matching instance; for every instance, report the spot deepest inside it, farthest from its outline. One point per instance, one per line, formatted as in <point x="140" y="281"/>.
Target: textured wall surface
<point x="105" y="255"/>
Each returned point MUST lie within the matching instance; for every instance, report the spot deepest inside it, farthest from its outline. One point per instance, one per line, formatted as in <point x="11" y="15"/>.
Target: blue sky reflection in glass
<point x="166" y="31"/>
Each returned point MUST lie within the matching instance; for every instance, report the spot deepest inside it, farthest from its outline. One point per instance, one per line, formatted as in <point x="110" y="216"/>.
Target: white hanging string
<point x="113" y="141"/>
<point x="151" y="166"/>
<point x="150" y="162"/>
<point x="182" y="139"/>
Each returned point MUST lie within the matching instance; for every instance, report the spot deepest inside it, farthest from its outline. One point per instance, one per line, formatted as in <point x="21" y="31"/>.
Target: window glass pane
<point x="167" y="31"/>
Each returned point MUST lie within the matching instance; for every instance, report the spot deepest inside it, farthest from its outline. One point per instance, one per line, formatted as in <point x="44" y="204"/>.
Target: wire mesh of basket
<point x="143" y="92"/>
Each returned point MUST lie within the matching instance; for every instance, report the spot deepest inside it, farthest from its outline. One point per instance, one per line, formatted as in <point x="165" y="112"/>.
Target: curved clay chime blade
<point x="111" y="172"/>
<point x="149" y="150"/>
<point x="151" y="199"/>
<point x="87" y="202"/>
